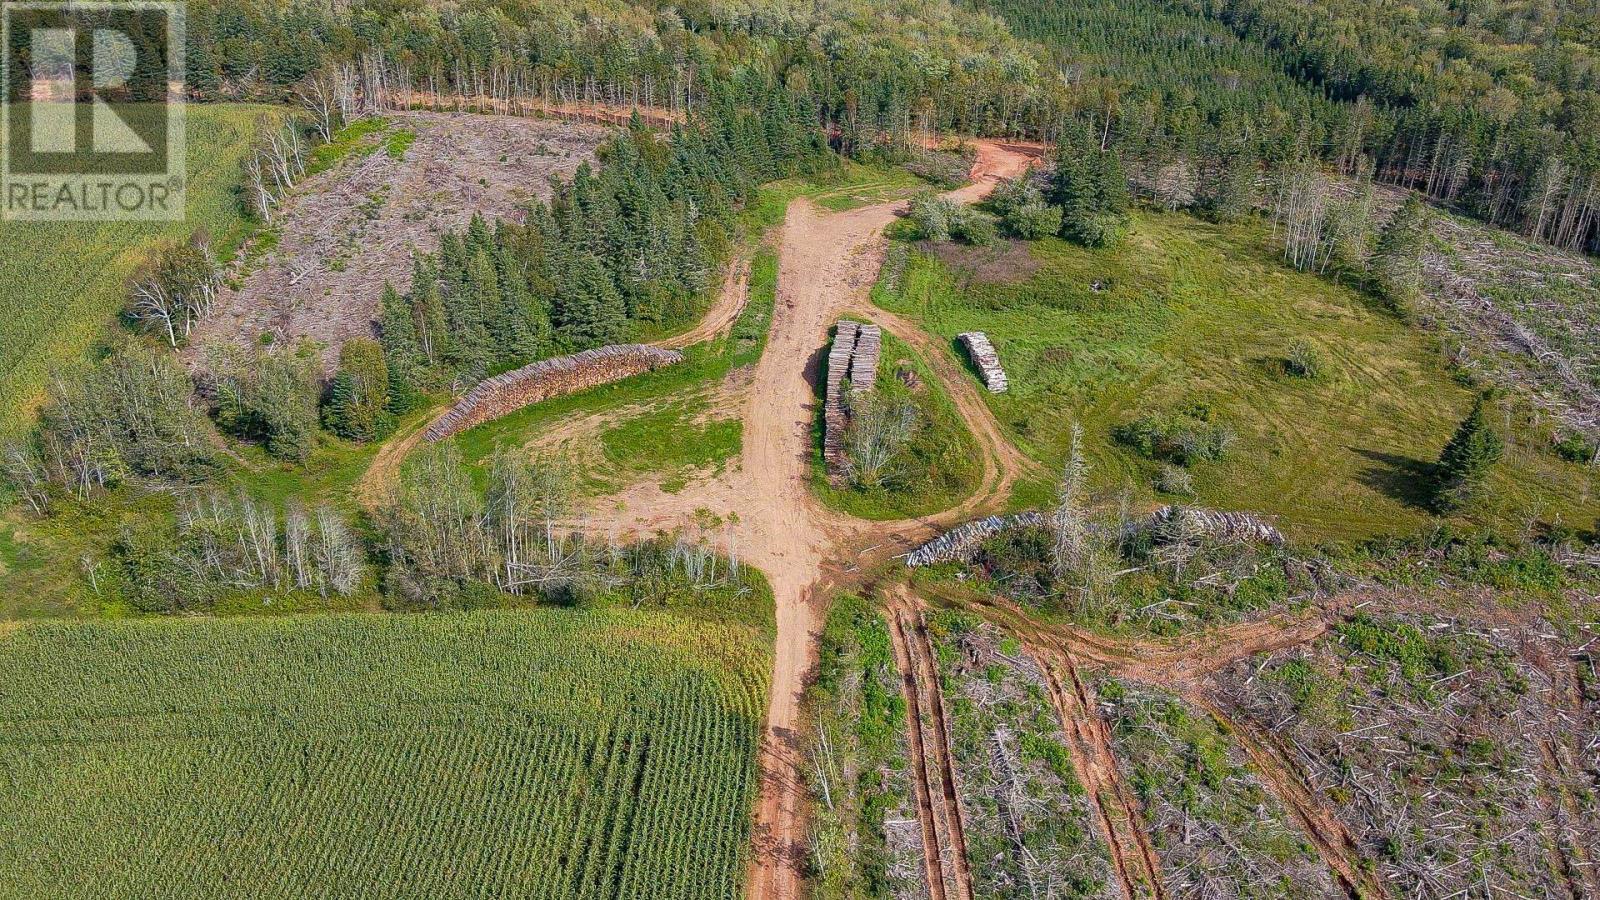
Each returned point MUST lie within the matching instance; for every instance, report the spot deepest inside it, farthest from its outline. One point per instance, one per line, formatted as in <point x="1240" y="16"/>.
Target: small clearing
<point x="318" y="270"/>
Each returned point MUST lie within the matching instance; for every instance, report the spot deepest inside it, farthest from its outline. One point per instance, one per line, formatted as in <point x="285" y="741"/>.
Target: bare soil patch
<point x="350" y="229"/>
<point x="1007" y="263"/>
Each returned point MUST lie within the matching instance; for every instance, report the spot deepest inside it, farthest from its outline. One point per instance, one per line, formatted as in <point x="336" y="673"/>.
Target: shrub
<point x="1574" y="447"/>
<point x="1023" y="211"/>
<point x="1303" y="360"/>
<point x="269" y="397"/>
<point x="973" y="227"/>
<point x="358" y="402"/>
<point x="931" y="215"/>
<point x="1182" y="438"/>
<point x="1174" y="480"/>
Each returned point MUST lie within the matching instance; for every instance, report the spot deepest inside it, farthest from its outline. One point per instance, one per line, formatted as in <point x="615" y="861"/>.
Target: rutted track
<point x="938" y="802"/>
<point x="1116" y="811"/>
<point x="1326" y="833"/>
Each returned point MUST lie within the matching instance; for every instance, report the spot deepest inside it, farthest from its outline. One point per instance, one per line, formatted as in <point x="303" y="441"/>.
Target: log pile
<point x="834" y="418"/>
<point x="958" y="544"/>
<point x="508" y="392"/>
<point x="854" y="355"/>
<point x="864" y="360"/>
<point x="1217" y="525"/>
<point x="986" y="359"/>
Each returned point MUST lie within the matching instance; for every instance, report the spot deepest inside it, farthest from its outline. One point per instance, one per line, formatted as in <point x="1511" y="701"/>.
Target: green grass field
<point x="547" y="753"/>
<point x="1189" y="312"/>
<point x="65" y="280"/>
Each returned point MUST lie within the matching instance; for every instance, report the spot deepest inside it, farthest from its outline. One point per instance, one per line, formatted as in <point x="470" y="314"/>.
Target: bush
<point x="358" y="402"/>
<point x="1182" y="438"/>
<point x="269" y="397"/>
<point x="131" y="415"/>
<point x="1574" y="447"/>
<point x="973" y="227"/>
<point x="1175" y="480"/>
<point x="1023" y="211"/>
<point x="1303" y="360"/>
<point x="931" y="215"/>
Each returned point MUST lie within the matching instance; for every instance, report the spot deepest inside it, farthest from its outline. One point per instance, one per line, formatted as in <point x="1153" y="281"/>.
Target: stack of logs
<point x="1170" y="523"/>
<point x="506" y="393"/>
<point x="959" y="544"/>
<point x="986" y="359"/>
<point x="854" y="355"/>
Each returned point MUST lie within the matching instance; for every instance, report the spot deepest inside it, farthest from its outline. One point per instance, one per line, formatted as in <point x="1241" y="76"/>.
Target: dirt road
<point x="827" y="264"/>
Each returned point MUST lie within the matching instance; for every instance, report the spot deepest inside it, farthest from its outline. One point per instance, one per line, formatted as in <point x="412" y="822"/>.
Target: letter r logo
<point x="55" y="86"/>
<point x="91" y="102"/>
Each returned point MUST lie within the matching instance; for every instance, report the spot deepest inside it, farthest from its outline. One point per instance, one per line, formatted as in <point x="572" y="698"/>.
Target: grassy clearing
<point x="637" y="446"/>
<point x="547" y="753"/>
<point x="938" y="467"/>
<point x="64" y="281"/>
<point x="1192" y="315"/>
<point x="671" y="401"/>
<point x="358" y="139"/>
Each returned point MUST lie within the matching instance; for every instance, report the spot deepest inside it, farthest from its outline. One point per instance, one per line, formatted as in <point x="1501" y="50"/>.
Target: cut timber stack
<point x="854" y="354"/>
<point x="833" y="412"/>
<point x="1169" y="523"/>
<point x="960" y="543"/>
<point x="864" y="360"/>
<point x="508" y="392"/>
<point x="987" y="361"/>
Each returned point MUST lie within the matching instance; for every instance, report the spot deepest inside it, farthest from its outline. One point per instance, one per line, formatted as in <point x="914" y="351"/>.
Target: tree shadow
<point x="1402" y="478"/>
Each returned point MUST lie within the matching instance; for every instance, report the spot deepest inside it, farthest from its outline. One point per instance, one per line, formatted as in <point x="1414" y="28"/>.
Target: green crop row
<point x="548" y="754"/>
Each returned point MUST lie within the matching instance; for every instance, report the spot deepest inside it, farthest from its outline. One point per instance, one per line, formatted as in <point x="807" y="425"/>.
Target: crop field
<point x="547" y="753"/>
<point x="1190" y="315"/>
<point x="64" y="280"/>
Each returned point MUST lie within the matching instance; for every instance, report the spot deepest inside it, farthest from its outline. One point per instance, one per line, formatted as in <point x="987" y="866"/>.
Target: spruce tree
<point x="397" y="329"/>
<point x="1467" y="459"/>
<point x="1092" y="191"/>
<point x="589" y="310"/>
<point x="1397" y="262"/>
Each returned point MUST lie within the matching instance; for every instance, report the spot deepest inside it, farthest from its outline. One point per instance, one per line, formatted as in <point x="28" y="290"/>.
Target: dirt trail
<point x="933" y="772"/>
<point x="719" y="319"/>
<point x="1117" y="812"/>
<point x="1332" y="841"/>
<point x="1181" y="662"/>
<point x="827" y="264"/>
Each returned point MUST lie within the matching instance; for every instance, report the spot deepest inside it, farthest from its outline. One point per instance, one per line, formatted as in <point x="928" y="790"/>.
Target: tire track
<point x="938" y="803"/>
<point x="932" y="855"/>
<point x="1116" y="812"/>
<point x="1284" y="779"/>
